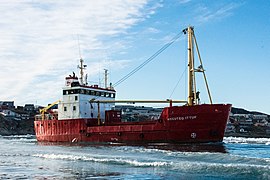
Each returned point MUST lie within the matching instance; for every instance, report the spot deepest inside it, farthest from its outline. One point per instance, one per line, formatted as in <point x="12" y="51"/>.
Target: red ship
<point x="87" y="114"/>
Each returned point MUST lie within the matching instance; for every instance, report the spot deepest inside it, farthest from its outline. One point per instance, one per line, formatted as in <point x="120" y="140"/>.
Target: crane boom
<point x="45" y="109"/>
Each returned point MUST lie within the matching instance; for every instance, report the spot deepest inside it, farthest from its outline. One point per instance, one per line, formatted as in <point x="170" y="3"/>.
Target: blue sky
<point x="39" y="47"/>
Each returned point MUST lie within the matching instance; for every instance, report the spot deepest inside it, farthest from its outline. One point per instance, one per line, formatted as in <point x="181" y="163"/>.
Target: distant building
<point x="248" y="122"/>
<point x="241" y="117"/>
<point x="15" y="114"/>
<point x="8" y="104"/>
<point x="29" y="108"/>
<point x="12" y="114"/>
<point x="23" y="115"/>
<point x="20" y="108"/>
<point x="9" y="112"/>
<point x="230" y="128"/>
<point x="260" y="118"/>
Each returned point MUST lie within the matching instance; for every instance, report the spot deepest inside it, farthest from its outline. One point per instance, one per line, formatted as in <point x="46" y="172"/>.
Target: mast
<point x="191" y="75"/>
<point x="193" y="95"/>
<point x="82" y="67"/>
<point x="106" y="78"/>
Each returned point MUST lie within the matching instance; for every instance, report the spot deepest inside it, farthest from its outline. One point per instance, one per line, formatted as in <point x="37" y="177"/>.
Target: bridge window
<point x="82" y="91"/>
<point x="111" y="95"/>
<point x="73" y="91"/>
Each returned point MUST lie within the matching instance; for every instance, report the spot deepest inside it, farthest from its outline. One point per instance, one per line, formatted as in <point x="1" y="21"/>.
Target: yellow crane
<point x="43" y="110"/>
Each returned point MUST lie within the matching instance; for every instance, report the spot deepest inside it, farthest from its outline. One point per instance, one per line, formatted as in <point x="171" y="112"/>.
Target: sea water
<point x="22" y="157"/>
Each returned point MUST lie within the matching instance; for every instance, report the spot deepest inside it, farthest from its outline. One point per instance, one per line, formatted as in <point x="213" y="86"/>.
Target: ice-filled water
<point x="22" y="157"/>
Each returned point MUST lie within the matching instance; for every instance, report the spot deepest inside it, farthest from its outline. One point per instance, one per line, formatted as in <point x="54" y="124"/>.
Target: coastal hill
<point x="248" y="123"/>
<point x="243" y="111"/>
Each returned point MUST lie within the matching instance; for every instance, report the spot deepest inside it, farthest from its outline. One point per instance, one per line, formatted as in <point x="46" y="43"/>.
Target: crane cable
<point x="178" y="81"/>
<point x="149" y="59"/>
<point x="184" y="73"/>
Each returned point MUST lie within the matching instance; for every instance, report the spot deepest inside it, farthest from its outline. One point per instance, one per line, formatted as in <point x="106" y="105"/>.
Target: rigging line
<point x="79" y="46"/>
<point x="204" y="75"/>
<point x="178" y="81"/>
<point x="148" y="60"/>
<point x="186" y="62"/>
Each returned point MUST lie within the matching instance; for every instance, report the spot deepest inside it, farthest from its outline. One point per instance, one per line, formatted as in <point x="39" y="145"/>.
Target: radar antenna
<point x="82" y="66"/>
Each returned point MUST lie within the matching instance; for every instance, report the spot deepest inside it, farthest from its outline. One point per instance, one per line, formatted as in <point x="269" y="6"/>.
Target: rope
<point x="148" y="60"/>
<point x="178" y="82"/>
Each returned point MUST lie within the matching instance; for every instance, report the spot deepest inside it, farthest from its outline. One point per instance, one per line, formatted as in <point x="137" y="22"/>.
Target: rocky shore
<point x="13" y="127"/>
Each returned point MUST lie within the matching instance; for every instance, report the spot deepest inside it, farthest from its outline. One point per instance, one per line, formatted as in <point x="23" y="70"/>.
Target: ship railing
<point x="38" y="117"/>
<point x="50" y="116"/>
<point x="170" y="101"/>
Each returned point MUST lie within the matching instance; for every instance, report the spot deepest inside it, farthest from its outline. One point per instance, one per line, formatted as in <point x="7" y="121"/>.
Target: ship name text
<point x="181" y="118"/>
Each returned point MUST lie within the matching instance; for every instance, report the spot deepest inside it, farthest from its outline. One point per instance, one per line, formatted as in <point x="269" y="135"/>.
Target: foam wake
<point x="115" y="160"/>
<point x="243" y="140"/>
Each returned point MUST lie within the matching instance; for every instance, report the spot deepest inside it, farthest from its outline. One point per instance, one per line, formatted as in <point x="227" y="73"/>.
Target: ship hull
<point x="185" y="124"/>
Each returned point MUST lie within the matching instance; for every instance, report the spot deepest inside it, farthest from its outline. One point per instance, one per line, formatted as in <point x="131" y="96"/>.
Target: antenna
<point x="106" y="78"/>
<point x="79" y="46"/>
<point x="81" y="66"/>
<point x="86" y="77"/>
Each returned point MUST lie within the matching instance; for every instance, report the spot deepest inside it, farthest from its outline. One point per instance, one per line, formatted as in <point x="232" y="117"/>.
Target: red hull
<point x="200" y="123"/>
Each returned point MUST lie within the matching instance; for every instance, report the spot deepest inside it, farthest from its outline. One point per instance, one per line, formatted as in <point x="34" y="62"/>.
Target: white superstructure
<point x="77" y="96"/>
<point x="76" y="100"/>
